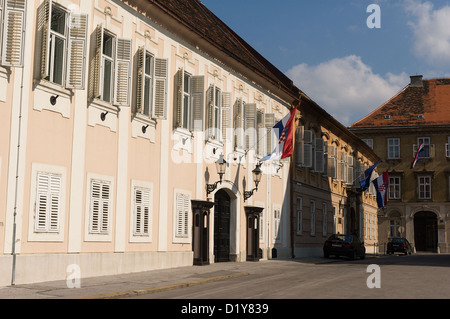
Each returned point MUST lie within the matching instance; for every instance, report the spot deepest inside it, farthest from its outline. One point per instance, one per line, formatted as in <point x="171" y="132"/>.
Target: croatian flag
<point x="381" y="185"/>
<point x="283" y="132"/>
<point x="416" y="158"/>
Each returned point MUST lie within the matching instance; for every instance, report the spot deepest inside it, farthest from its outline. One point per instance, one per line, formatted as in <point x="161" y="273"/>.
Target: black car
<point x="399" y="245"/>
<point x="344" y="245"/>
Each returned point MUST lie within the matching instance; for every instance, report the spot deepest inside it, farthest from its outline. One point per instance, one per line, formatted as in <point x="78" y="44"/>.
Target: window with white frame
<point x="324" y="219"/>
<point x="189" y="104"/>
<point x="151" y="85"/>
<point x="426" y="147"/>
<point x="331" y="162"/>
<point x="239" y="123"/>
<point x="394" y="187"/>
<point x="182" y="208"/>
<point x="276" y="224"/>
<point x="100" y="207"/>
<point x="313" y="216"/>
<point x="368" y="141"/>
<point x="142" y="211"/>
<point x="63" y="46"/>
<point x="48" y="203"/>
<point x="393" y="145"/>
<point x="394" y="226"/>
<point x="447" y="147"/>
<point x="424" y="187"/>
<point x="299" y="215"/>
<point x="304" y="147"/>
<point x="12" y="32"/>
<point x="111" y="69"/>
<point x="319" y="155"/>
<point x="335" y="210"/>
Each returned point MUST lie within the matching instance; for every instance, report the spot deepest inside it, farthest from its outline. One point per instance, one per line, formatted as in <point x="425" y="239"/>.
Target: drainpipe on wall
<point x="13" y="250"/>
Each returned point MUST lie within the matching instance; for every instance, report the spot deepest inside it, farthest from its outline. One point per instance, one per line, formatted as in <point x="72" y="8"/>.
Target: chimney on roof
<point x="416" y="81"/>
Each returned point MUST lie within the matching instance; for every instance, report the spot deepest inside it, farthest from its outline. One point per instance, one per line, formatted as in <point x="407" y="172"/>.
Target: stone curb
<point x="139" y="292"/>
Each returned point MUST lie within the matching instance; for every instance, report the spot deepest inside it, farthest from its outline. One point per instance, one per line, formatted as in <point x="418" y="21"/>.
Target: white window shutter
<point x="140" y="79"/>
<point x="94" y="222"/>
<point x="307" y="155"/>
<point x="1" y="28"/>
<point x="250" y="125"/>
<point x="42" y="202"/>
<point x="159" y="110"/>
<point x="96" y="68"/>
<point x="238" y="123"/>
<point x="226" y="116"/>
<point x="210" y="113"/>
<point x="350" y="170"/>
<point x="142" y="212"/>
<point x="260" y="132"/>
<point x="76" y="59"/>
<point x="179" y="104"/>
<point x="14" y="33"/>
<point x="105" y="208"/>
<point x="100" y="207"/>
<point x="122" y="83"/>
<point x="48" y="198"/>
<point x="319" y="155"/>
<point x="182" y="202"/>
<point x="307" y="136"/>
<point x="44" y="13"/>
<point x="197" y="96"/>
<point x="269" y="122"/>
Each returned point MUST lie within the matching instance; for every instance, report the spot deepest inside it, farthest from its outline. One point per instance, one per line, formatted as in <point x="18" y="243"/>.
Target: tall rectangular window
<point x="111" y="68"/>
<point x="148" y="83"/>
<point x="313" y="217"/>
<point x="393" y="147"/>
<point x="141" y="212"/>
<point x="276" y="224"/>
<point x="182" y="215"/>
<point x="299" y="215"/>
<point x="424" y="187"/>
<point x="48" y="202"/>
<point x="324" y="219"/>
<point x="100" y="206"/>
<point x="109" y="47"/>
<point x="57" y="45"/>
<point x="151" y="85"/>
<point x="426" y="147"/>
<point x="394" y="187"/>
<point x="190" y="101"/>
<point x="63" y="45"/>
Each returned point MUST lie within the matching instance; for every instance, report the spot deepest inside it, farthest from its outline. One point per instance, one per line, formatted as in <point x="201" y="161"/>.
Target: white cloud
<point x="346" y="87"/>
<point x="431" y="30"/>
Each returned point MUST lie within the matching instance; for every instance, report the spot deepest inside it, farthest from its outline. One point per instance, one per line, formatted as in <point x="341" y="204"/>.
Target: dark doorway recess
<point x="425" y="231"/>
<point x="221" y="226"/>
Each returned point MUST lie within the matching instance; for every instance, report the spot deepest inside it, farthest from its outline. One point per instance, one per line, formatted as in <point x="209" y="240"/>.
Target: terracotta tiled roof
<point x="195" y="16"/>
<point x="416" y="105"/>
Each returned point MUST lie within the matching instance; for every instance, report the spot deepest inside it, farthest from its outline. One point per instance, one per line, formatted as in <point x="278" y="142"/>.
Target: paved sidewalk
<point x="126" y="285"/>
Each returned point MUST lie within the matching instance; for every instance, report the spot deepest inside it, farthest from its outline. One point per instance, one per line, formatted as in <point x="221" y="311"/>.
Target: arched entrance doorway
<point x="221" y="226"/>
<point x="425" y="231"/>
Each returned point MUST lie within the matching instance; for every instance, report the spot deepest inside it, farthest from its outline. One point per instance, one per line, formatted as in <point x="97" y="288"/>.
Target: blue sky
<point x="327" y="49"/>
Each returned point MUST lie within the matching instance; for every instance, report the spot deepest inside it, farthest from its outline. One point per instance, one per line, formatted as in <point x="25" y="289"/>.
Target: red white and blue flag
<point x="283" y="132"/>
<point x="381" y="184"/>
<point x="416" y="158"/>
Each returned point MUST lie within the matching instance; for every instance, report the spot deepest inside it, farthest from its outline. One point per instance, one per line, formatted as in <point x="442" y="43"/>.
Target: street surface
<point x="419" y="276"/>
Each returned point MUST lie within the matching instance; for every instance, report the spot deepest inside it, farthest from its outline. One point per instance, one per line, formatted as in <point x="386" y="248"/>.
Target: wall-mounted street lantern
<point x="257" y="173"/>
<point x="221" y="166"/>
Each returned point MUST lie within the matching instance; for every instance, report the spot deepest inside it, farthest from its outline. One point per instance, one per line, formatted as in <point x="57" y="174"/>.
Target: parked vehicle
<point x="399" y="245"/>
<point x="344" y="245"/>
